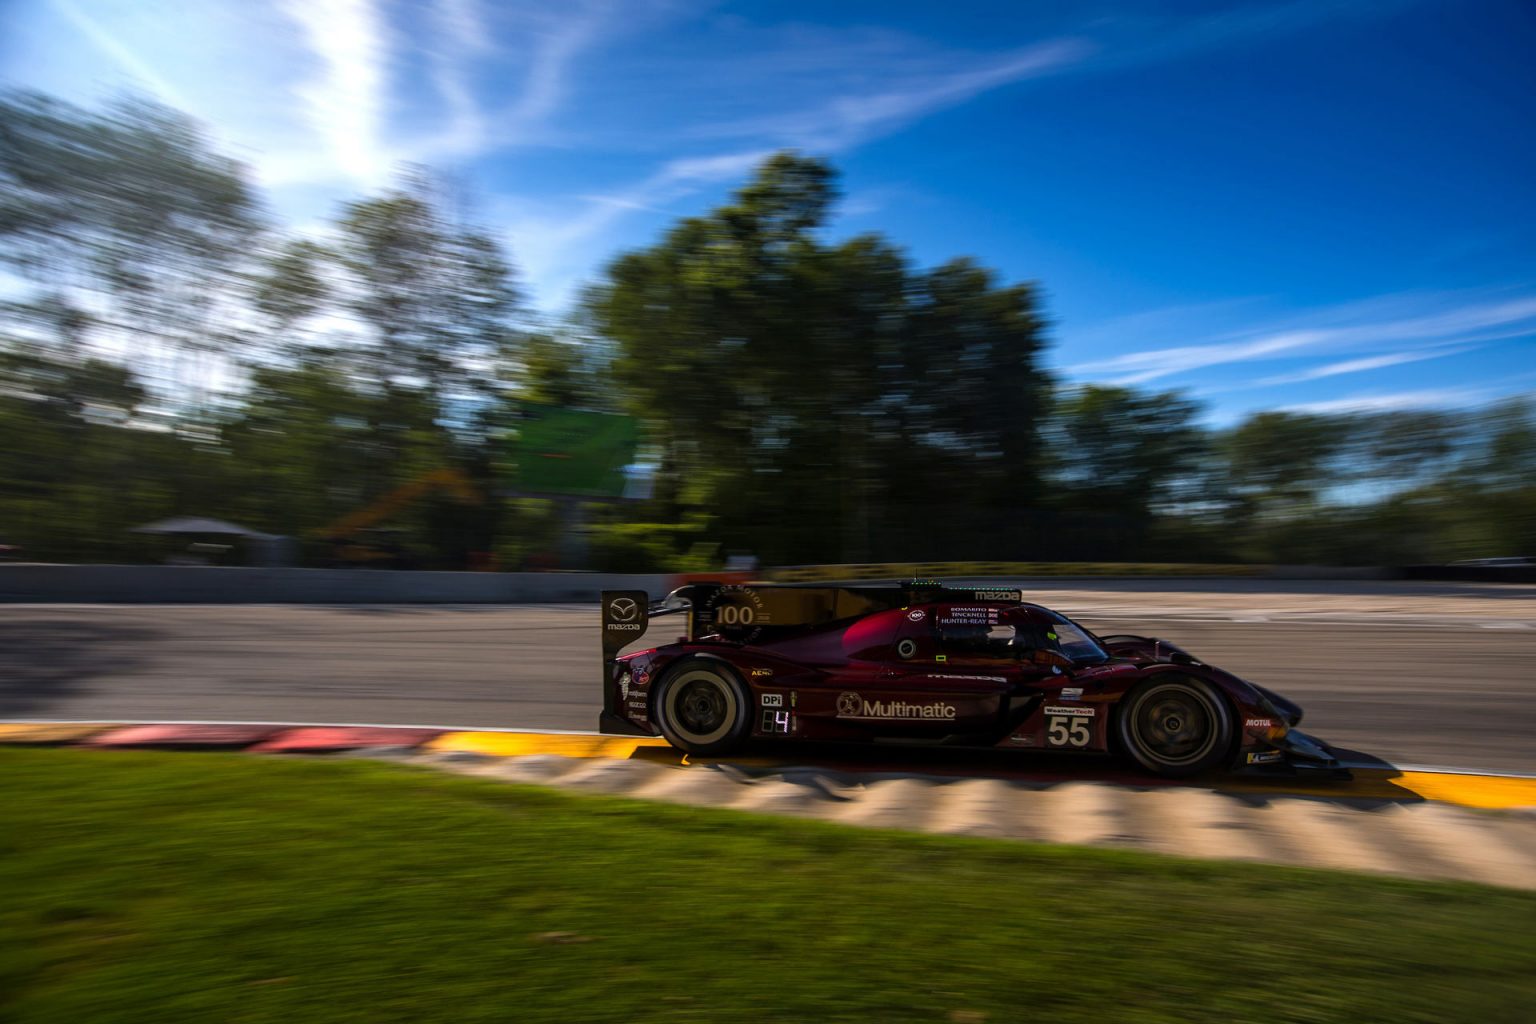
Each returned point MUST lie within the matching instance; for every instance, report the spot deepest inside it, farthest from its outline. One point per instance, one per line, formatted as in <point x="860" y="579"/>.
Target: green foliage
<point x="436" y="294"/>
<point x="779" y="372"/>
<point x="653" y="547"/>
<point x="803" y="399"/>
<point x="126" y="224"/>
<point x="1127" y="454"/>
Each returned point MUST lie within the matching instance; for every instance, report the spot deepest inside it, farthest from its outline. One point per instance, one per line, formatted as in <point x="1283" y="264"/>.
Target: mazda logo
<point x="623" y="609"/>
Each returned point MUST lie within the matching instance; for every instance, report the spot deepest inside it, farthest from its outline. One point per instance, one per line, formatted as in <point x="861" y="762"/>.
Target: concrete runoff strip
<point x="1413" y="823"/>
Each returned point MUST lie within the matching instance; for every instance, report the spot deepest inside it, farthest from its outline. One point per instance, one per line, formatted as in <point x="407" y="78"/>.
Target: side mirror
<point x="1050" y="659"/>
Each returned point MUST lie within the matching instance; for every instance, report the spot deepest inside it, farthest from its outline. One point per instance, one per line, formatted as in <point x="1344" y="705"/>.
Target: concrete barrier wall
<point x="176" y="584"/>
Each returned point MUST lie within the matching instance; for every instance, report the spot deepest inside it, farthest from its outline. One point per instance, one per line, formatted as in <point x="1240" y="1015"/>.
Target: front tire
<point x="1175" y="727"/>
<point x="702" y="707"/>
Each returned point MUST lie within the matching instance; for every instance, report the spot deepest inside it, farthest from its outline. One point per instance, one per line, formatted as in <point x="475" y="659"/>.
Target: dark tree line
<point x="165" y="348"/>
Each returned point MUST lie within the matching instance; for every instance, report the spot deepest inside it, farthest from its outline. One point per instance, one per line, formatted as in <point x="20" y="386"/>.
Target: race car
<point x="921" y="662"/>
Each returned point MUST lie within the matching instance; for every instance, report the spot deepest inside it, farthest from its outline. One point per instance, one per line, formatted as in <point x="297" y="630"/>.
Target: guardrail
<point x="168" y="584"/>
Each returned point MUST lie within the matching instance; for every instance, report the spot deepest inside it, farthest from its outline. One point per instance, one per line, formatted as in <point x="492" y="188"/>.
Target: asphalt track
<point x="1435" y="680"/>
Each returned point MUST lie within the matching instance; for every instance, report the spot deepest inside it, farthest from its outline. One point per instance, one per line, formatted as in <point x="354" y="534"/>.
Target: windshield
<point x="1058" y="633"/>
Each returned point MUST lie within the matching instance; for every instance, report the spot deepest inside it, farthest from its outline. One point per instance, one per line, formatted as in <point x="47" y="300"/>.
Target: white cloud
<point x="549" y="67"/>
<point x="463" y="37"/>
<point x="1427" y="398"/>
<point x="1363" y="365"/>
<point x="1469" y="322"/>
<point x="120" y="54"/>
<point x="856" y="117"/>
<point x="345" y="102"/>
<point x="558" y="247"/>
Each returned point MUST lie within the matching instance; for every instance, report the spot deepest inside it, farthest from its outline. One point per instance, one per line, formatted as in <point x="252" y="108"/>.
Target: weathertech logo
<point x="854" y="705"/>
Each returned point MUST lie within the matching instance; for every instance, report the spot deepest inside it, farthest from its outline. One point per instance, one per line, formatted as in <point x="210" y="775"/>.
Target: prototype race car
<point x="922" y="662"/>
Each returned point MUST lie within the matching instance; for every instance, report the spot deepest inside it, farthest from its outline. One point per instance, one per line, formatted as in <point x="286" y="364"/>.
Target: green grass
<point x="145" y="887"/>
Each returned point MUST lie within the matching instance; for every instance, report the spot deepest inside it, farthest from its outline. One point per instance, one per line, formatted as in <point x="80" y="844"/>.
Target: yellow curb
<point x="1488" y="792"/>
<point x="519" y="744"/>
<point x="1494" y="792"/>
<point x="51" y="732"/>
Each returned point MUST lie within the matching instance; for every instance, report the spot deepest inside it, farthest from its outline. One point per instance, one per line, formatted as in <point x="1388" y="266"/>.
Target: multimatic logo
<point x="622" y="610"/>
<point x="856" y="705"/>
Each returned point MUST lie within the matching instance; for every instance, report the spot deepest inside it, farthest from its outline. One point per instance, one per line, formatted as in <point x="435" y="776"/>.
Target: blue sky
<point x="1300" y="204"/>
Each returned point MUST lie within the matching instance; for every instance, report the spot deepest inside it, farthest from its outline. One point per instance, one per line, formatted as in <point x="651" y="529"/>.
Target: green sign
<point x="573" y="452"/>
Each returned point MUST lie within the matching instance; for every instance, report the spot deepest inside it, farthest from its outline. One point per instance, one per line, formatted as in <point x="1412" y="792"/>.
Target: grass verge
<point x="175" y="887"/>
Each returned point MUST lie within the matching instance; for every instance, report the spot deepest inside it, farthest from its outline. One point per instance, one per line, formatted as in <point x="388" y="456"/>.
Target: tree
<point x="436" y="295"/>
<point x="1127" y="451"/>
<point x="128" y="227"/>
<point x="778" y="371"/>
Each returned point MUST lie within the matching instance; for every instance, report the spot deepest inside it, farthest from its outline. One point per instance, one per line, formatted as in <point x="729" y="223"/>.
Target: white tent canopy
<point x="196" y="524"/>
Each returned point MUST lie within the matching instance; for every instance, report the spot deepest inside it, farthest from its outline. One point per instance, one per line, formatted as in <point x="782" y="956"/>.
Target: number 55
<point x="1062" y="731"/>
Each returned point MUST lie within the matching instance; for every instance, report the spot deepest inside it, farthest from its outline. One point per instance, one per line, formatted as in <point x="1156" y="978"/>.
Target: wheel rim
<point x="701" y="706"/>
<point x="1174" y="725"/>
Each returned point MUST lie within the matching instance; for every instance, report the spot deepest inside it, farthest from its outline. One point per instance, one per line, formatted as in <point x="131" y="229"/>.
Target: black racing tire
<point x="702" y="707"/>
<point x="1175" y="726"/>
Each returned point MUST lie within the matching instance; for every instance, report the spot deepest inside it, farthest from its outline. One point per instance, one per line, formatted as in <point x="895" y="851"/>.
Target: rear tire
<point x="702" y="707"/>
<point x="1175" y="727"/>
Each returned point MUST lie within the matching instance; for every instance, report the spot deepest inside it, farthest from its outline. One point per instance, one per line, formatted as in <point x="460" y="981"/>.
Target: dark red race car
<point x="921" y="662"/>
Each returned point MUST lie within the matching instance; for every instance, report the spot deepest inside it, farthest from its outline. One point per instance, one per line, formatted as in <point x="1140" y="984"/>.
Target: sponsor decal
<point x="906" y="648"/>
<point x="1073" y="712"/>
<point x="624" y="627"/>
<point x="856" y="705"/>
<point x="624" y="685"/>
<point x="917" y="615"/>
<point x="740" y="610"/>
<point x="1071" y="693"/>
<point x="773" y="700"/>
<point x="1264" y="756"/>
<point x="1259" y="723"/>
<point x="759" y="673"/>
<point x="642" y="677"/>
<point x="999" y="595"/>
<point x="623" y="609"/>
<point x="1023" y="741"/>
<point x="956" y="675"/>
<point x="794" y="698"/>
